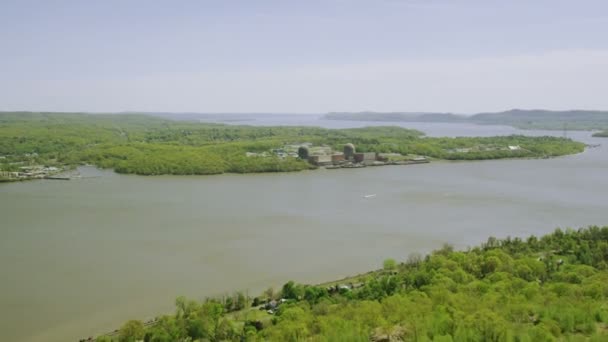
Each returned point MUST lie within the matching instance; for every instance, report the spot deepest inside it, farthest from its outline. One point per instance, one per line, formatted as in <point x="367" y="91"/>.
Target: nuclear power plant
<point x="348" y="158"/>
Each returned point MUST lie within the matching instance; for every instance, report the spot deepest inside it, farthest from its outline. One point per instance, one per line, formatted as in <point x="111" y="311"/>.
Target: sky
<point x="461" y="56"/>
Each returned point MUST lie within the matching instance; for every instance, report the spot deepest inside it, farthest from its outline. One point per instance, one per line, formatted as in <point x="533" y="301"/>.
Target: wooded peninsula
<point x="552" y="288"/>
<point x="148" y="145"/>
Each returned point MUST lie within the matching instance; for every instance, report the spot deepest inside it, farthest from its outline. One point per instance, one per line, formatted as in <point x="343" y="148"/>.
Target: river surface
<point x="79" y="258"/>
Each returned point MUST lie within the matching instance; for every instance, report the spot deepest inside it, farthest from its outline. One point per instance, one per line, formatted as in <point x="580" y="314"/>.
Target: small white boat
<point x="369" y="196"/>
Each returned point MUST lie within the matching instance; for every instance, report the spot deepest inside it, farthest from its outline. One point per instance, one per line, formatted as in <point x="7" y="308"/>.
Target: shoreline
<point x="355" y="281"/>
<point x="260" y="310"/>
<point x="398" y="163"/>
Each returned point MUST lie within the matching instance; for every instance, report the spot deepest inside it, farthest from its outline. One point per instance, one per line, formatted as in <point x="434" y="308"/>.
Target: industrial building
<point x="366" y="158"/>
<point x="324" y="156"/>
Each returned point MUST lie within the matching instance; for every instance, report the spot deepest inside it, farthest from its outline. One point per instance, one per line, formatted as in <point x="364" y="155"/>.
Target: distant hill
<point x="526" y="119"/>
<point x="396" y="117"/>
<point x="546" y="119"/>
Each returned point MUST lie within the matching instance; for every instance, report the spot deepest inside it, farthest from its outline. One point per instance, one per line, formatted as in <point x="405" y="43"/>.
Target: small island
<point x="35" y="145"/>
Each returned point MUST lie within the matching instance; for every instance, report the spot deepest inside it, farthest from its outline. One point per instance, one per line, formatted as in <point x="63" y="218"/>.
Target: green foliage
<point x="131" y="331"/>
<point x="292" y="290"/>
<point x="314" y="294"/>
<point x="389" y="264"/>
<point x="148" y="145"/>
<point x="547" y="289"/>
<point x="103" y="339"/>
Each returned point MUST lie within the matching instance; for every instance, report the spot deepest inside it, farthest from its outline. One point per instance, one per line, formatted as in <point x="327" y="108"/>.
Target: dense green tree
<point x="389" y="264"/>
<point x="103" y="339"/>
<point x="292" y="290"/>
<point x="131" y="331"/>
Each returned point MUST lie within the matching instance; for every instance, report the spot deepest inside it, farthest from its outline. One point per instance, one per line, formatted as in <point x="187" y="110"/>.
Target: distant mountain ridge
<point x="396" y="116"/>
<point x="520" y="118"/>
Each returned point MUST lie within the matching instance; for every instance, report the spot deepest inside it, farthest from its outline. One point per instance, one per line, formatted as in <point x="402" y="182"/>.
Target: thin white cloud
<point x="553" y="80"/>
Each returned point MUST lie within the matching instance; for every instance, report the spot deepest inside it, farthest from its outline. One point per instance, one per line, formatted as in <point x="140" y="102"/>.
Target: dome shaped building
<point x="349" y="151"/>
<point x="303" y="152"/>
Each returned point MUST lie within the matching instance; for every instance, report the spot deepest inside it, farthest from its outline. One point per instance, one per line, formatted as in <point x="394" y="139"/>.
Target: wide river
<point x="79" y="258"/>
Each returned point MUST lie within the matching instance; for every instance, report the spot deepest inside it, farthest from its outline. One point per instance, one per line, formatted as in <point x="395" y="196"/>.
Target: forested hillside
<point x="552" y="288"/>
<point x="395" y="116"/>
<point x="145" y="145"/>
<point x="525" y="119"/>
<point x="546" y="119"/>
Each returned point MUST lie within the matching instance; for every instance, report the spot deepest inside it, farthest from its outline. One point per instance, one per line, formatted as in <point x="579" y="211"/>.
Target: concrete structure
<point x="303" y="152"/>
<point x="383" y="159"/>
<point x="320" y="160"/>
<point x="367" y="157"/>
<point x="320" y="150"/>
<point x="349" y="151"/>
<point x="337" y="158"/>
<point x="8" y="174"/>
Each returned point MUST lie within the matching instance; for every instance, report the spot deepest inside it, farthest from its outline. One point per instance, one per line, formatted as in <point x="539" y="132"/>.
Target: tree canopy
<point x="551" y="288"/>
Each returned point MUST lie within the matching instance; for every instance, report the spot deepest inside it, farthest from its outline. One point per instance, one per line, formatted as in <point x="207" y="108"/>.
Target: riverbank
<point x="559" y="288"/>
<point x="259" y="309"/>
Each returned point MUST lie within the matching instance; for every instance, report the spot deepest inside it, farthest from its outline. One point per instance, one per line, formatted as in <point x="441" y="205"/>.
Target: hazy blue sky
<point x="303" y="56"/>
